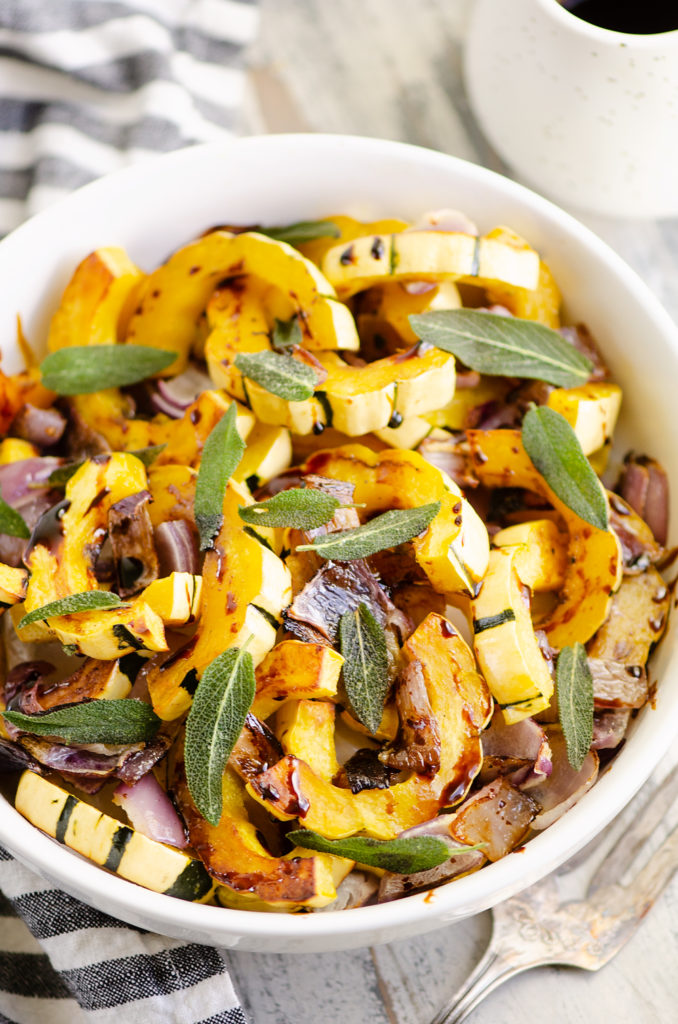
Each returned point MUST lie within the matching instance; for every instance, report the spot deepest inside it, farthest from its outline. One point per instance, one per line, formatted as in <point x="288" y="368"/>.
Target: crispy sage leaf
<point x="554" y="450"/>
<point x="74" y="604"/>
<point x="61" y="476"/>
<point x="504" y="345"/>
<point x="92" y="721"/>
<point x="286" y="334"/>
<point x="574" y="685"/>
<point x="220" y="704"/>
<point x="384" y="531"/>
<point x="82" y="369"/>
<point x="302" y="231"/>
<point x="280" y="374"/>
<point x="11" y="522"/>
<point x="363" y="648"/>
<point x="301" y="508"/>
<point x="401" y="856"/>
<point x="221" y="454"/>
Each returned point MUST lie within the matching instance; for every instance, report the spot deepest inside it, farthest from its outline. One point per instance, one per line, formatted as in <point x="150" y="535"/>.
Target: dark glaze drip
<point x="346" y="258"/>
<point x="48" y="530"/>
<point x="395" y="420"/>
<point x="97" y="499"/>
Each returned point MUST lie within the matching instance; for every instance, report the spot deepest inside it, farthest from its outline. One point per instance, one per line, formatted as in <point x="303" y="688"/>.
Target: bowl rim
<point x="467" y="895"/>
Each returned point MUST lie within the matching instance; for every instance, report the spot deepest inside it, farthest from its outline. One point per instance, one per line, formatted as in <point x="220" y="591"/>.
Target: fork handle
<point x="491" y="972"/>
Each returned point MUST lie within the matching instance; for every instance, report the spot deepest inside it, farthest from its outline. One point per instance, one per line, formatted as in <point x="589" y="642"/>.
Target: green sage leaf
<point x="301" y="508"/>
<point x="554" y="450"/>
<point x="574" y="686"/>
<point x="74" y="604"/>
<point x="221" y="701"/>
<point x="286" y="334"/>
<point x="61" y="476"/>
<point x="363" y="648"/>
<point x="280" y="374"/>
<point x="221" y="454"/>
<point x="11" y="522"/>
<point x="302" y="231"/>
<point x="92" y="721"/>
<point x="401" y="856"/>
<point x="385" y="531"/>
<point x="504" y="345"/>
<point x="82" y="369"/>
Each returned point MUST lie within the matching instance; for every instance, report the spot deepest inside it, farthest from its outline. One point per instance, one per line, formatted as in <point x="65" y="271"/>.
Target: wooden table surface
<point x="392" y="69"/>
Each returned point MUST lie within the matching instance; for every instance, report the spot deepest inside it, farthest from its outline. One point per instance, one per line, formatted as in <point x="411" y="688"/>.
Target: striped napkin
<point x="86" y="87"/>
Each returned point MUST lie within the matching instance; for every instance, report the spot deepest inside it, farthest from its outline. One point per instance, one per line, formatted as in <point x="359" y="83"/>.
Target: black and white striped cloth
<point x="87" y="86"/>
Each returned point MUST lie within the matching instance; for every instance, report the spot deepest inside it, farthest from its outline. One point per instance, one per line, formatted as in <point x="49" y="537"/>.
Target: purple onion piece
<point x="140" y="762"/>
<point x="176" y="544"/>
<point x="22" y="679"/>
<point x="14" y="758"/>
<point x="609" y="728"/>
<point x="43" y="427"/>
<point x="174" y="396"/>
<point x="151" y="812"/>
<point x="644" y="485"/>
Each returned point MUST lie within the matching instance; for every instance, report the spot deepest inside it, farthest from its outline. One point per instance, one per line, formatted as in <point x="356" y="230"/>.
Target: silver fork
<point x="538" y="928"/>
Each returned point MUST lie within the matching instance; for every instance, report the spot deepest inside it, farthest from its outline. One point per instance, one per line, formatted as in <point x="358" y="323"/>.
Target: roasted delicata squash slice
<point x="294" y="670"/>
<point x="454" y="550"/>
<point x="176" y="598"/>
<point x="541" y="561"/>
<point x="429" y="256"/>
<point x="97" y="302"/>
<point x="238" y="323"/>
<point x="591" y="410"/>
<point x="497" y="459"/>
<point x="173" y="297"/>
<point x="234" y="856"/>
<point x="541" y="303"/>
<point x="94" y="680"/>
<point x="503" y="636"/>
<point x="385" y="311"/>
<point x="109" y="843"/>
<point x="13" y="584"/>
<point x="461" y="704"/>
<point x="62" y="555"/>
<point x="268" y="453"/>
<point x="245" y="589"/>
<point x="348" y="228"/>
<point x="15" y="449"/>
<point x="305" y="729"/>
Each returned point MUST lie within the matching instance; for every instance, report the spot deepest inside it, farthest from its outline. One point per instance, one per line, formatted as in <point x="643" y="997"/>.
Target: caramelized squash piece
<point x="245" y="588"/>
<point x="461" y="704"/>
<point x="541" y="303"/>
<point x="453" y="551"/>
<point x="295" y="670"/>
<point x="97" y="301"/>
<point x="497" y="459"/>
<point x="591" y="410"/>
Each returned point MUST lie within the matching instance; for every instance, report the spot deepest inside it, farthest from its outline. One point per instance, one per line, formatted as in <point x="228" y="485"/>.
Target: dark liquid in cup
<point x="637" y="17"/>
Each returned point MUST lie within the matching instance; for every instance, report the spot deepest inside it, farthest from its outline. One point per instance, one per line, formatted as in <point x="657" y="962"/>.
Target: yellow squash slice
<point x="295" y="670"/>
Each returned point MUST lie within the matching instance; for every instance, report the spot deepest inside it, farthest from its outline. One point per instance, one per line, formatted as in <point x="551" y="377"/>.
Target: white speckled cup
<point x="587" y="115"/>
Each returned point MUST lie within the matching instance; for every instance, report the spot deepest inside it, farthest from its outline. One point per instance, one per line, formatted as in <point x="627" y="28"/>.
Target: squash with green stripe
<point x="173" y="298"/>
<point x="245" y="589"/>
<point x="504" y="638"/>
<point x="176" y="598"/>
<point x="110" y="844"/>
<point x="428" y="256"/>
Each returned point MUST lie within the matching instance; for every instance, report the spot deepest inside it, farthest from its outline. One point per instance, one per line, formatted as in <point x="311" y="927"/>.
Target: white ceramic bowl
<point x="150" y="209"/>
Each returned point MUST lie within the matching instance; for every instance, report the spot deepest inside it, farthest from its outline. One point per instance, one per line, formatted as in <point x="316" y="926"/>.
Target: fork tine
<point x="631" y="841"/>
<point x="653" y="878"/>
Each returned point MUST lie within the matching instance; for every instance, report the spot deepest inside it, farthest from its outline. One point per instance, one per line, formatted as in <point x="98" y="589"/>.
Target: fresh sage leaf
<point x="286" y="334"/>
<point x="302" y="231"/>
<point x="221" y="454"/>
<point x="74" y="604"/>
<point x="554" y="450"/>
<point x="363" y="648"/>
<point x="574" y="686"/>
<point x="280" y="374"/>
<point x="385" y="531"/>
<point x="401" y="856"/>
<point x="221" y="701"/>
<point x="92" y="721"/>
<point x="82" y="369"/>
<point x="11" y="522"/>
<point x="504" y="346"/>
<point x="301" y="508"/>
<point x="61" y="476"/>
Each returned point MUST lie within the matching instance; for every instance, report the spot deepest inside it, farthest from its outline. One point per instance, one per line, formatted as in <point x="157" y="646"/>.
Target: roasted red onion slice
<point x="23" y="485"/>
<point x="580" y="337"/>
<point x="618" y="686"/>
<point x="43" y="427"/>
<point x="176" y="544"/>
<point x="417" y="746"/>
<point x="357" y="890"/>
<point x="14" y="758"/>
<point x="645" y="486"/>
<point x="131" y="535"/>
<point x="174" y="396"/>
<point x="565" y="786"/>
<point x="445" y="220"/>
<point x="510" y="747"/>
<point x="151" y="811"/>
<point x="609" y="728"/>
<point x="392" y="887"/>
<point x="498" y="815"/>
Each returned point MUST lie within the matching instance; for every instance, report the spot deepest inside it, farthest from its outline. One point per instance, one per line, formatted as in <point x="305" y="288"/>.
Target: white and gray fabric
<point x="87" y="86"/>
<point x="62" y="962"/>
